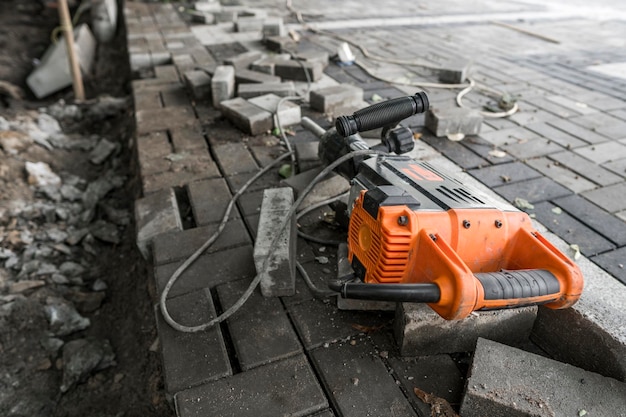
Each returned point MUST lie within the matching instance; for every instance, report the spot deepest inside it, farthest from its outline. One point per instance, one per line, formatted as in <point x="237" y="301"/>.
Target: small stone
<point x="99" y="285"/>
<point x="41" y="175"/>
<point x="63" y="317"/>
<point x="101" y="152"/>
<point x="21" y="286"/>
<point x="82" y="357"/>
<point x="56" y="235"/>
<point x="106" y="232"/>
<point x="59" y="279"/>
<point x="71" y="193"/>
<point x="322" y="259"/>
<point x="75" y="236"/>
<point x="71" y="269"/>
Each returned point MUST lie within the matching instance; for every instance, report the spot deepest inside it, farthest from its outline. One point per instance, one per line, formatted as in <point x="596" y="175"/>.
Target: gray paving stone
<point x="250" y="203"/>
<point x="319" y="323"/>
<point x="509" y="381"/>
<point x="280" y="43"/>
<point x="317" y="272"/>
<point x="254" y="90"/>
<point x="455" y="151"/>
<point x="611" y="198"/>
<point x="359" y="381"/>
<point x="289" y="112"/>
<point x="532" y="148"/>
<point x="577" y="131"/>
<point x="223" y="84"/>
<point x="246" y="116"/>
<point x="298" y="70"/>
<point x="191" y="359"/>
<point x="190" y="168"/>
<point x="274" y="26"/>
<point x="437" y="375"/>
<point x="575" y="106"/>
<point x="336" y="98"/>
<point x="594" y="217"/>
<point x="249" y="24"/>
<point x="508" y="136"/>
<point x="314" y="55"/>
<point x="172" y="246"/>
<point x="572" y="230"/>
<point x="243" y="60"/>
<point x="603" y="152"/>
<point x="281" y="271"/>
<point x="209" y="199"/>
<point x="292" y="390"/>
<point x="330" y="186"/>
<point x="603" y="124"/>
<point x="175" y="97"/>
<point x="419" y="331"/>
<point x="453" y="120"/>
<point x="306" y="153"/>
<point x="555" y="135"/>
<point x="618" y="166"/>
<point x="585" y="168"/>
<point x="224" y="266"/>
<point x="563" y="176"/>
<point x="614" y="263"/>
<point x="246" y="76"/>
<point x="199" y="83"/>
<point x="495" y="175"/>
<point x="154" y="215"/>
<point x="266" y="64"/>
<point x="188" y="139"/>
<point x="535" y="190"/>
<point x="157" y="120"/>
<point x="260" y="330"/>
<point x="166" y="73"/>
<point x="483" y="148"/>
<point x="234" y="158"/>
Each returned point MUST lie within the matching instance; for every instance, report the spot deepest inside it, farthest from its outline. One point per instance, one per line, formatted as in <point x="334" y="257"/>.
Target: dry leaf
<point x="367" y="329"/>
<point x="438" y="406"/>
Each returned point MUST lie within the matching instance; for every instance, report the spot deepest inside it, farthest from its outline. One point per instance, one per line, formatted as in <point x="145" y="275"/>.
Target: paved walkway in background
<point x="564" y="152"/>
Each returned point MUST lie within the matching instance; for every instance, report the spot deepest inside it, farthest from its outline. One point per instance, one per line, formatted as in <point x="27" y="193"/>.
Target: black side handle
<point x="382" y="114"/>
<point x="518" y="284"/>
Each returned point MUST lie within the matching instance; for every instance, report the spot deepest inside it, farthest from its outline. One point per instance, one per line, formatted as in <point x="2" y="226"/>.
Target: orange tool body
<point x="414" y="224"/>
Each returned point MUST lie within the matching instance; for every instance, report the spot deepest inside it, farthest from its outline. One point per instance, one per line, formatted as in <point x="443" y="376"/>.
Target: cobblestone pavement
<point x="564" y="152"/>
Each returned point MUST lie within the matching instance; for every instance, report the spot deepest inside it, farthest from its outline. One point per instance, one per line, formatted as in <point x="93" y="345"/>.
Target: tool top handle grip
<point x="382" y="114"/>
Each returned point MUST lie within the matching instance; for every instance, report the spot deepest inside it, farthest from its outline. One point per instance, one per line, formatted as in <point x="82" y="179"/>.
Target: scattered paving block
<point x="274" y="26"/>
<point x="199" y="83"/>
<point x="234" y="158"/>
<point x="208" y="6"/>
<point x="261" y="331"/>
<point x="420" y="331"/>
<point x="331" y="186"/>
<point x="191" y="359"/>
<point x="508" y="381"/>
<point x="244" y="76"/>
<point x="157" y="120"/>
<point x="313" y="55"/>
<point x="243" y="60"/>
<point x="281" y="273"/>
<point x="249" y="24"/>
<point x="280" y="43"/>
<point x="166" y="73"/>
<point x="299" y="70"/>
<point x="454" y="72"/>
<point x="225" y="266"/>
<point x="336" y="98"/>
<point x="306" y="155"/>
<point x="188" y="139"/>
<point x="344" y="269"/>
<point x="254" y="90"/>
<point x="266" y="64"/>
<point x="209" y="199"/>
<point x="156" y="214"/>
<point x="223" y="84"/>
<point x="453" y="120"/>
<point x="246" y="116"/>
<point x="359" y="381"/>
<point x="590" y="334"/>
<point x="289" y="113"/>
<point x="205" y="18"/>
<point x="284" y="388"/>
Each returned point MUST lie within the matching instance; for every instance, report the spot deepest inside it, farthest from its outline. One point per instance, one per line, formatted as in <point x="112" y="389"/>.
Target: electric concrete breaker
<point x="418" y="234"/>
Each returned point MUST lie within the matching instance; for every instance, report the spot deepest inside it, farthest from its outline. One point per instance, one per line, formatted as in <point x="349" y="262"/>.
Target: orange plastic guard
<point x="479" y="258"/>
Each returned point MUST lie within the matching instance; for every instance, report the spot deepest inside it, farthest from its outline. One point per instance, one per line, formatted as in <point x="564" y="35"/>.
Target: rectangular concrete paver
<point x="284" y="388"/>
<point x="535" y="190"/>
<point x="209" y="199"/>
<point x="585" y="168"/>
<point x="154" y="215"/>
<point x="612" y="198"/>
<point x="507" y="381"/>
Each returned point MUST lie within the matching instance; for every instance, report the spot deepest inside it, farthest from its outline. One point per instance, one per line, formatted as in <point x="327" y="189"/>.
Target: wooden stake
<point x="68" y="32"/>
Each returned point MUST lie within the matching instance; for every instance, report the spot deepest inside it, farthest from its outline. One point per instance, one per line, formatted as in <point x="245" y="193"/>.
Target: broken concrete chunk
<point x="280" y="279"/>
<point x="155" y="214"/>
<point x="336" y="98"/>
<point x="508" y="381"/>
<point x="453" y="121"/>
<point x="63" y="317"/>
<point x="246" y="116"/>
<point x="104" y="19"/>
<point x="223" y="84"/>
<point x="289" y="112"/>
<point x="41" y="175"/>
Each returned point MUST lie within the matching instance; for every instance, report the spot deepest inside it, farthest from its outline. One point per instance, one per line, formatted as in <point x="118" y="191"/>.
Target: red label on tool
<point x="421" y="174"/>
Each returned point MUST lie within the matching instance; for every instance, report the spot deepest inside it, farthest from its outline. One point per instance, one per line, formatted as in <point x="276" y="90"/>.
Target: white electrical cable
<point x="493" y="115"/>
<point x="266" y="262"/>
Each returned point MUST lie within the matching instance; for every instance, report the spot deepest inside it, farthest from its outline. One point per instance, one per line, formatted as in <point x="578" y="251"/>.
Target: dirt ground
<point x="111" y="289"/>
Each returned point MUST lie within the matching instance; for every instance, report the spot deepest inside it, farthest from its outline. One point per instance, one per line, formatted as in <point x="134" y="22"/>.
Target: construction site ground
<point x="178" y="161"/>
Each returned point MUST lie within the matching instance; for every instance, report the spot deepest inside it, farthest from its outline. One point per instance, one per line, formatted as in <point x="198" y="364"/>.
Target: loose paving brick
<point x="280" y="43"/>
<point x="453" y="120"/>
<point x="266" y="64"/>
<point x="260" y="330"/>
<point x="331" y="186"/>
<point x="419" y="331"/>
<point x="246" y="116"/>
<point x="245" y="76"/>
<point x="604" y="124"/>
<point x="208" y="271"/>
<point x="534" y="190"/>
<point x="273" y="26"/>
<point x="509" y="381"/>
<point x="437" y="375"/>
<point x="610" y="198"/>
<point x="191" y="359"/>
<point x="585" y="168"/>
<point x="223" y="84"/>
<point x="492" y="176"/>
<point x="299" y="70"/>
<point x="337" y="98"/>
<point x="154" y="215"/>
<point x="199" y="83"/>
<point x="563" y="176"/>
<point x="289" y="113"/>
<point x="175" y="96"/>
<point x="178" y="178"/>
<point x="243" y="60"/>
<point x="319" y="323"/>
<point x="280" y="275"/>
<point x="359" y="381"/>
<point x="234" y="158"/>
<point x="613" y="262"/>
<point x="209" y="199"/>
<point x="291" y="391"/>
<point x="171" y="247"/>
<point x="572" y="230"/>
<point x="282" y="89"/>
<point x="306" y="154"/>
<point x="594" y="217"/>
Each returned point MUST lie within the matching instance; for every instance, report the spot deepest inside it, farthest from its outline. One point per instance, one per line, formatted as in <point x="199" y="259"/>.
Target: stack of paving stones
<point x="297" y="355"/>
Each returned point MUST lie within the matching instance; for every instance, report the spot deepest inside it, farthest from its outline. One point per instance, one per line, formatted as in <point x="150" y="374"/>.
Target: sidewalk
<point x="564" y="152"/>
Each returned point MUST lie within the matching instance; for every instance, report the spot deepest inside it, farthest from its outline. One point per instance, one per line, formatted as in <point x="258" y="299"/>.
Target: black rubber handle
<point x="382" y="114"/>
<point x="518" y="284"/>
<point x="399" y="293"/>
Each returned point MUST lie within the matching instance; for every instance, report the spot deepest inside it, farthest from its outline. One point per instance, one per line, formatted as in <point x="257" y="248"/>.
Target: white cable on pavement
<point x="493" y="115"/>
